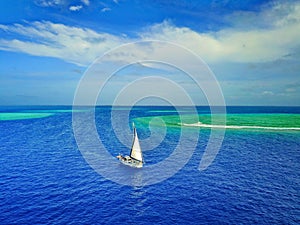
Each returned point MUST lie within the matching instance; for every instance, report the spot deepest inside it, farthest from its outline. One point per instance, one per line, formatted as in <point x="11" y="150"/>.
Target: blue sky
<point x="253" y="47"/>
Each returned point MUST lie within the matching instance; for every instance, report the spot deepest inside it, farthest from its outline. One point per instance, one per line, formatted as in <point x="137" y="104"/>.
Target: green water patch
<point x="233" y="121"/>
<point x="264" y="120"/>
<point x="171" y="120"/>
<point x="35" y="113"/>
<point x="22" y="116"/>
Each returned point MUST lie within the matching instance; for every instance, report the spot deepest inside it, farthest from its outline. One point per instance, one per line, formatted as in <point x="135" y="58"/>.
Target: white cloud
<point x="106" y="9"/>
<point x="61" y="3"/>
<point x="75" y="7"/>
<point x="72" y="44"/>
<point x="279" y="39"/>
<point x="86" y="2"/>
<point x="50" y="3"/>
<point x="267" y="93"/>
<point x="82" y="46"/>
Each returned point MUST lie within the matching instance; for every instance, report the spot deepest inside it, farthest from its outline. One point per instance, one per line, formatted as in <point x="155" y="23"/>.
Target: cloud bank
<point x="275" y="36"/>
<point x="72" y="44"/>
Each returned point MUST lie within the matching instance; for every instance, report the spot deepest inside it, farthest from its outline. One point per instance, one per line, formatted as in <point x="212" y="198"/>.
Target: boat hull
<point x="128" y="161"/>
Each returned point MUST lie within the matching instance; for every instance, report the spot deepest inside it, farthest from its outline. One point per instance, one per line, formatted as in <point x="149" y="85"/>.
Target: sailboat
<point x="135" y="159"/>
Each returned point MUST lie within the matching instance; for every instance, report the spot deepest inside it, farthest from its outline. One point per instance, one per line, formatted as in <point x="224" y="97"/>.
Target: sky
<point x="251" y="47"/>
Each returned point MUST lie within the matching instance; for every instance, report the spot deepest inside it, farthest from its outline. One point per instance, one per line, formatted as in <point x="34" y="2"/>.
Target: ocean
<point x="46" y="178"/>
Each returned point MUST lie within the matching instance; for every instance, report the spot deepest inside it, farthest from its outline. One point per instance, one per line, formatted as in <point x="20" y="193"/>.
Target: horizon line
<point x="107" y="105"/>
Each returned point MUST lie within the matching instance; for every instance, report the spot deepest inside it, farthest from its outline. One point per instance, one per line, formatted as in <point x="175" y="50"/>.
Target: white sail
<point x="136" y="151"/>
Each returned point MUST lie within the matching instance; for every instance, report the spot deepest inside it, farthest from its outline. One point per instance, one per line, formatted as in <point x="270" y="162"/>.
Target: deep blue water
<point x="44" y="179"/>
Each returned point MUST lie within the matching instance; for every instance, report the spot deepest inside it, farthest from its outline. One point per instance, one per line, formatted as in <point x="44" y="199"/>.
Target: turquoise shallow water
<point x="22" y="115"/>
<point x="267" y="122"/>
<point x="44" y="179"/>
